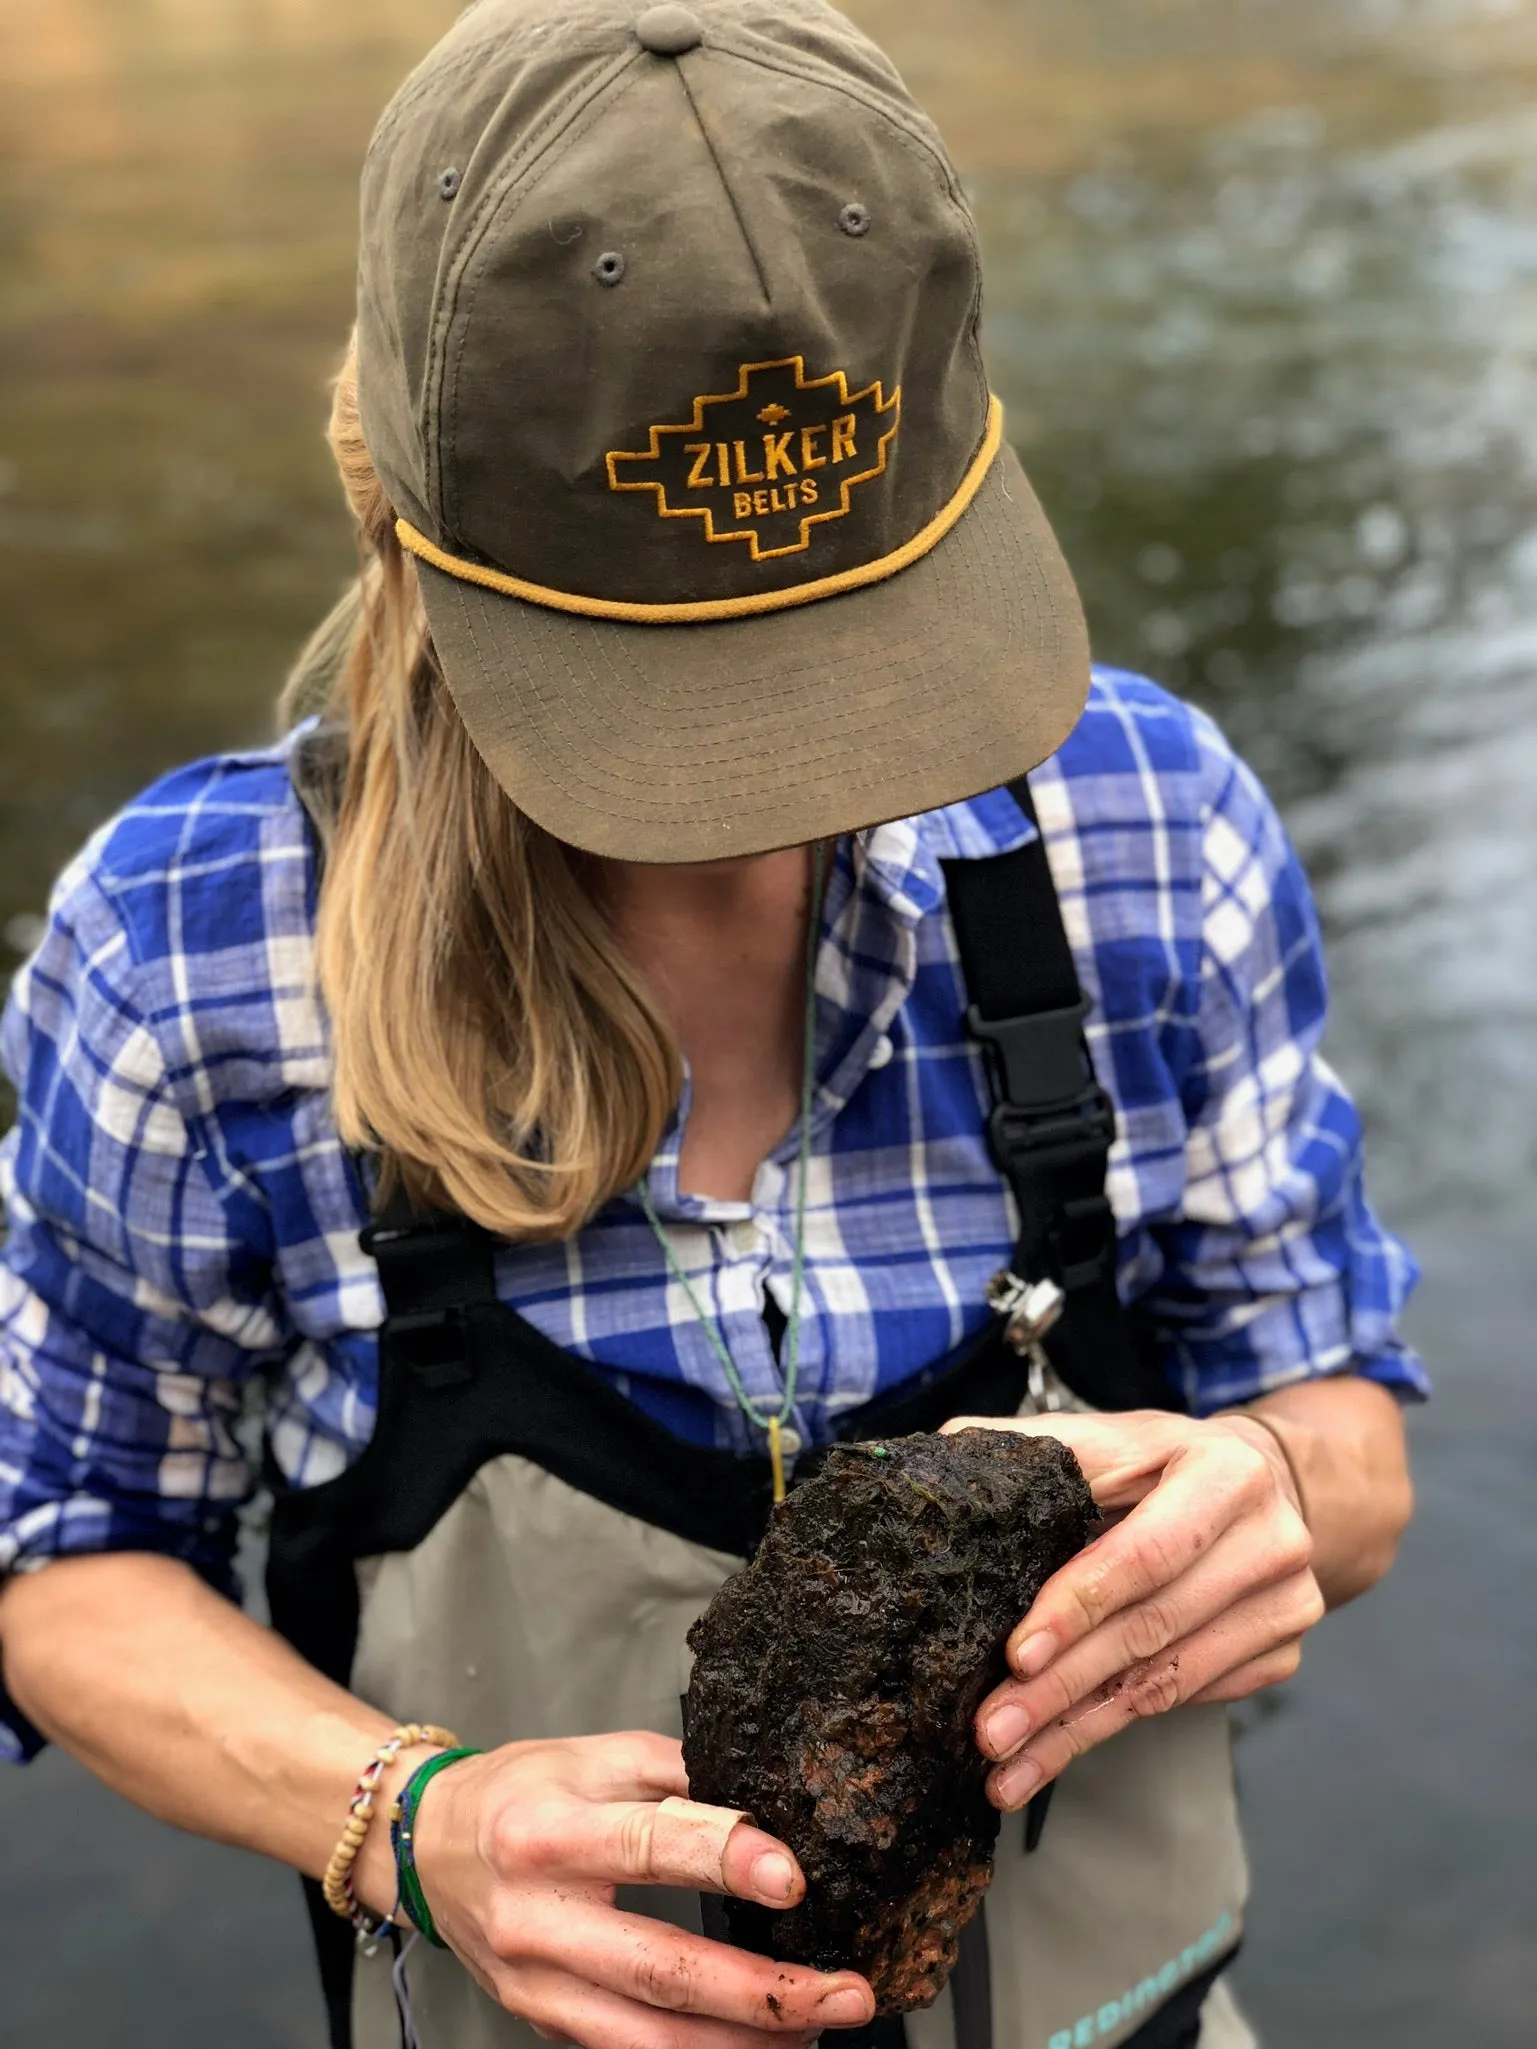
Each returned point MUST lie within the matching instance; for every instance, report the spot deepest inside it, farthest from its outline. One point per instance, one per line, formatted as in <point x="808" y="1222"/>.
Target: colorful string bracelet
<point x="337" y="1882"/>
<point x="403" y="1840"/>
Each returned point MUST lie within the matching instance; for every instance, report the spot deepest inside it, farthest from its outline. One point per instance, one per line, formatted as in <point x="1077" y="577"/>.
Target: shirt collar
<point x="885" y="881"/>
<point x="900" y="861"/>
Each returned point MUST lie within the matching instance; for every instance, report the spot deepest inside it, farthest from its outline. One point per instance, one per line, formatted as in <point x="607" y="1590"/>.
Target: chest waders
<point x="519" y="1552"/>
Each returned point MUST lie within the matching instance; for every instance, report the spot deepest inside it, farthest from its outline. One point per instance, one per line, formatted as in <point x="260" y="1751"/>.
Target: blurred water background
<point x="1263" y="306"/>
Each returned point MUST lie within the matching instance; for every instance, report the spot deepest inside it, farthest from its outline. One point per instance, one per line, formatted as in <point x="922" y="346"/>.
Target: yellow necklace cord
<point x="776" y="1458"/>
<point x="702" y="611"/>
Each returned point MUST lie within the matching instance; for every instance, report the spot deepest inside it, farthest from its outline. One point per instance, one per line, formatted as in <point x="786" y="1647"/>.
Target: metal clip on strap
<point x="1051" y="1126"/>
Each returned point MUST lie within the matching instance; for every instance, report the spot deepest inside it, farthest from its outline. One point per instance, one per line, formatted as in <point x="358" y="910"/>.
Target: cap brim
<point x="694" y="743"/>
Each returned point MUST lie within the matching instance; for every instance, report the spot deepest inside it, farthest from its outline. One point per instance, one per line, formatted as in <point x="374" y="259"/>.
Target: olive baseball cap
<point x="668" y="363"/>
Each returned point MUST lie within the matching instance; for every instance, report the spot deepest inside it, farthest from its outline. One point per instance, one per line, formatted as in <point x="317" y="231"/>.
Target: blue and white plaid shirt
<point x="184" y="1220"/>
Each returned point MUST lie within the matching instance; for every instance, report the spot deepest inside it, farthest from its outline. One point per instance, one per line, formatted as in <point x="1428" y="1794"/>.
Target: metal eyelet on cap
<point x="609" y="268"/>
<point x="448" y="183"/>
<point x="668" y="31"/>
<point x="855" y="219"/>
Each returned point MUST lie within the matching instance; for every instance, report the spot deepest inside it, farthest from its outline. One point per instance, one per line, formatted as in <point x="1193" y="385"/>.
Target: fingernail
<point x="1016" y="1783"/>
<point x="846" y="2009"/>
<point x="1005" y="1729"/>
<point x="773" y="1875"/>
<point x="1035" y="1654"/>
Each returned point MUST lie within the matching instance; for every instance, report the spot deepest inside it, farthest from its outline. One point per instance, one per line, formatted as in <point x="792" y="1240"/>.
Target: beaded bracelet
<point x="337" y="1882"/>
<point x="403" y="1840"/>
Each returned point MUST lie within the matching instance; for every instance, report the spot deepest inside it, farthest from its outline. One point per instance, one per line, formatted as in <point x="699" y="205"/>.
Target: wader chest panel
<point x="533" y="1604"/>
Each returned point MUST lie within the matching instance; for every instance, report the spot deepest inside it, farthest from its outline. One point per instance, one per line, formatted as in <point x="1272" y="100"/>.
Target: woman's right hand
<point x="519" y="1853"/>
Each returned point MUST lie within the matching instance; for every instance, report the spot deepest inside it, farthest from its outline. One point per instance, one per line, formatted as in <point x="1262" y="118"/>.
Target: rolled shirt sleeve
<point x="134" y="1308"/>
<point x="1275" y="1268"/>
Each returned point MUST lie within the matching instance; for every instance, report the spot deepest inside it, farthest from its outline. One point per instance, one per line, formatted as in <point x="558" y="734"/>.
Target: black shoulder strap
<point x="433" y="1268"/>
<point x="1052" y="1125"/>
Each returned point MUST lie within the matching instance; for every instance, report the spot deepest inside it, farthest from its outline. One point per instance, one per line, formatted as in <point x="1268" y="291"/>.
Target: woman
<point x="694" y="1112"/>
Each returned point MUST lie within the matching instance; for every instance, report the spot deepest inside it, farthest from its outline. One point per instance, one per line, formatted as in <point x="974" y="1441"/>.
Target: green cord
<point x="798" y="1263"/>
<point x="403" y="1841"/>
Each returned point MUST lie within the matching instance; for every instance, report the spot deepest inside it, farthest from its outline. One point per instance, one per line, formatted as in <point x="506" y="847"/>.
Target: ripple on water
<point x="1278" y="384"/>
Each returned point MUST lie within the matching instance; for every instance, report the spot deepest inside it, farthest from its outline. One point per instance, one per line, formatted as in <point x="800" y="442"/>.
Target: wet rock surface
<point x="837" y="1677"/>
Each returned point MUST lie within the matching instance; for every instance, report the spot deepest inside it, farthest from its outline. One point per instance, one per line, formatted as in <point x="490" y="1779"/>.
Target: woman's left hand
<point x="1201" y="1589"/>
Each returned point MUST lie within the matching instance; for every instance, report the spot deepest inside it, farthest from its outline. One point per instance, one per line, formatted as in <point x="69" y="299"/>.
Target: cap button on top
<point x="668" y="31"/>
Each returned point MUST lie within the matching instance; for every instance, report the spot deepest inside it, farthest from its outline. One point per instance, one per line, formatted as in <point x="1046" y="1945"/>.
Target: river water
<point x="1263" y="307"/>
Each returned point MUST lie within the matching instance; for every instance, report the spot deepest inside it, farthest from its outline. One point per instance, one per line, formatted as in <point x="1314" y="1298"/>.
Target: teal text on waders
<point x="1147" y="1993"/>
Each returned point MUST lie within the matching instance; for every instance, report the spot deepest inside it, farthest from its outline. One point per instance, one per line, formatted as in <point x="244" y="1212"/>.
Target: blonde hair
<point x="490" y="1040"/>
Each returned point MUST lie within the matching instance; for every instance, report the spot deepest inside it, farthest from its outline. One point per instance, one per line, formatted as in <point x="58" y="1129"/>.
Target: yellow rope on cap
<point x="704" y="610"/>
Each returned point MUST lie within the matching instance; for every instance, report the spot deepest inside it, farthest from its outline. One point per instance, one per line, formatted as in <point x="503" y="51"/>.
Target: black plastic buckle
<point x="1079" y="1230"/>
<point x="429" y="1273"/>
<point x="1062" y="1136"/>
<point x="1039" y="1151"/>
<point x="1037" y="1060"/>
<point x="434" y="1345"/>
<point x="425" y="1240"/>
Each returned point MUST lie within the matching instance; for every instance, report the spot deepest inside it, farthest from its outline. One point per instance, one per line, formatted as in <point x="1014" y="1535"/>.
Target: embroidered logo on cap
<point x="768" y="462"/>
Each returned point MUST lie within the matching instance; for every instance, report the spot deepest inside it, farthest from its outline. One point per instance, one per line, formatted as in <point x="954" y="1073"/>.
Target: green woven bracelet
<point x="403" y="1840"/>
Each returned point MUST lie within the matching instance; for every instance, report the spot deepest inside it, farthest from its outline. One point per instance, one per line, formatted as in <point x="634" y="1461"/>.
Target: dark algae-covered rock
<point x="836" y="1678"/>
